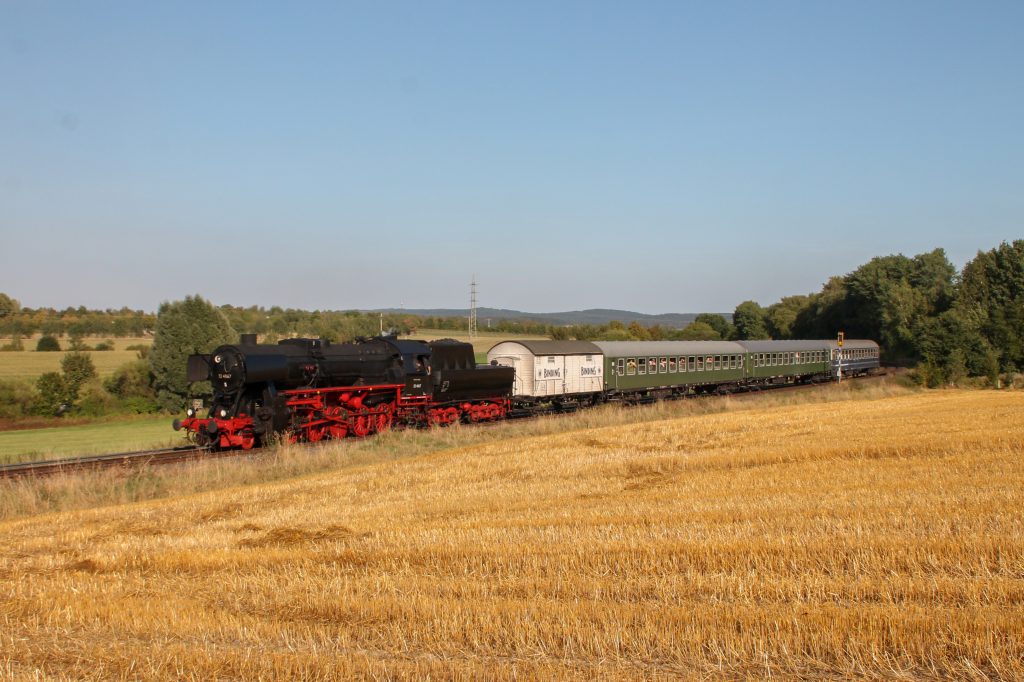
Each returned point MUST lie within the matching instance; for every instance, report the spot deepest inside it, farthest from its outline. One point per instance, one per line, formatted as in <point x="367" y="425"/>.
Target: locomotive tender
<point x="310" y="389"/>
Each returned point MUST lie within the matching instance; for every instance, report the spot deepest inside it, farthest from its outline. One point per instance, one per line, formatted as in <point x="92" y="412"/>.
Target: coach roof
<point x="784" y="345"/>
<point x="621" y="349"/>
<point x="852" y="343"/>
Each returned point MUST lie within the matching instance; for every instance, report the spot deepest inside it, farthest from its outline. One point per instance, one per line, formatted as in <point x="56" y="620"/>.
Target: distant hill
<point x="592" y="316"/>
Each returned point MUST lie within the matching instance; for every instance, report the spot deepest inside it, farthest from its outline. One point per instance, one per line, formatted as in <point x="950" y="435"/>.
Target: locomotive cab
<point x="416" y="365"/>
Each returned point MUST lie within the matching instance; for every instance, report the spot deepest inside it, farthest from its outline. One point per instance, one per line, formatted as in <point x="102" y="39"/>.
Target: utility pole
<point x="472" y="309"/>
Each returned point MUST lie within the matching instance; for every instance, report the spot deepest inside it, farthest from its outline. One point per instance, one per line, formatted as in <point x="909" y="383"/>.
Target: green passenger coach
<point x="781" y="361"/>
<point x="662" y="368"/>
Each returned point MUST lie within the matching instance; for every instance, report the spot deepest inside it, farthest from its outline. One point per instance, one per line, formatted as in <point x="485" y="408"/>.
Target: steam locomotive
<point x="311" y="389"/>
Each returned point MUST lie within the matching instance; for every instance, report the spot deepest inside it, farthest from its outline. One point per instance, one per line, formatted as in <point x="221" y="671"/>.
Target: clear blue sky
<point x="653" y="156"/>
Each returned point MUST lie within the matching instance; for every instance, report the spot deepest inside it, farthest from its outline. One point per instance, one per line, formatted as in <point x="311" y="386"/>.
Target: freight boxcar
<point x="564" y="371"/>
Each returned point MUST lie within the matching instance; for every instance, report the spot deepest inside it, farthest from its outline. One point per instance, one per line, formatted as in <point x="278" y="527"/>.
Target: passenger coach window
<point x="672" y="365"/>
<point x="663" y="365"/>
<point x="620" y="366"/>
<point x="631" y="366"/>
<point x="718" y="362"/>
<point x="691" y="364"/>
<point x="652" y="366"/>
<point x="642" y="367"/>
<point x="700" y="364"/>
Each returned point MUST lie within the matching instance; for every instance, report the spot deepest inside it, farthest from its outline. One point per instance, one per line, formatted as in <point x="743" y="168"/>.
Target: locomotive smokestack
<point x="248" y="340"/>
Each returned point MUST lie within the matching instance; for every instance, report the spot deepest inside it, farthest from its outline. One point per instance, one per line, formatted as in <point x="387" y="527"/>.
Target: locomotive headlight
<point x="217" y="359"/>
<point x="223" y="414"/>
<point x="190" y="412"/>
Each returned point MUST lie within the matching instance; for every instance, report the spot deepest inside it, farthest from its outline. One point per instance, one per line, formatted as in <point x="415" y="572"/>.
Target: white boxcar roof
<point x="541" y="347"/>
<point x="621" y="349"/>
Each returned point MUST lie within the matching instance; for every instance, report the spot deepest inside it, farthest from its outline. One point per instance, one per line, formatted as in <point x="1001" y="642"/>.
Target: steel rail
<point x="53" y="467"/>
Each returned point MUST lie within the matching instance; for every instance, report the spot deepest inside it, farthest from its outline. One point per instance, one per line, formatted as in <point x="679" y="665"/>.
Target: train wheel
<point x="337" y="428"/>
<point x="248" y="439"/>
<point x="362" y="425"/>
<point x="383" y="421"/>
<point x="315" y="434"/>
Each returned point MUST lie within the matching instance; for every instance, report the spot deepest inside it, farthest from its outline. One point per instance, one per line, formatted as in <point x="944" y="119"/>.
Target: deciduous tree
<point x="184" y="328"/>
<point x="749" y="320"/>
<point x="718" y="323"/>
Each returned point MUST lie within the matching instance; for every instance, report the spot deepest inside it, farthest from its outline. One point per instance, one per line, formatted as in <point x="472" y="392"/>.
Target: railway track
<point x="128" y="460"/>
<point x="119" y="459"/>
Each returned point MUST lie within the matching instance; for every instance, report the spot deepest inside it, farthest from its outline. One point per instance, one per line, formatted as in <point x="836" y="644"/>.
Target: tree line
<point x="17" y="322"/>
<point x="920" y="309"/>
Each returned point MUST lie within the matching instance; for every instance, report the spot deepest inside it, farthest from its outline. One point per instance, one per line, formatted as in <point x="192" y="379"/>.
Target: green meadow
<point x="143" y="433"/>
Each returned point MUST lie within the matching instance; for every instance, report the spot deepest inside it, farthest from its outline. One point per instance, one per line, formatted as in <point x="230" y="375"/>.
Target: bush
<point x="78" y="369"/>
<point x="47" y="344"/>
<point x="139" y="406"/>
<point x="132" y="386"/>
<point x="53" y="396"/>
<point x="16" y="399"/>
<point x="141" y="348"/>
<point x="927" y="374"/>
<point x="14" y="345"/>
<point x="105" y="345"/>
<point x="93" y="401"/>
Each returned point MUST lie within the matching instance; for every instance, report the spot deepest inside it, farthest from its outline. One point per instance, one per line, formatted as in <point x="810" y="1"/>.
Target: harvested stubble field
<point x="867" y="538"/>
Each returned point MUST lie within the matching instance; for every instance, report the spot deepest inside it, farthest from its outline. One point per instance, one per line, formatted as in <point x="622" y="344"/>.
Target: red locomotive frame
<point x="339" y="412"/>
